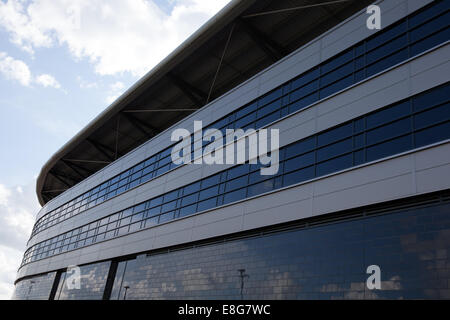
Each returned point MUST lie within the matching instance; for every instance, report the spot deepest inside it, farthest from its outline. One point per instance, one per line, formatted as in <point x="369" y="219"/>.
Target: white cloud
<point x="47" y="80"/>
<point x="18" y="206"/>
<point x="15" y="69"/>
<point x="22" y="31"/>
<point x="18" y="70"/>
<point x="86" y="84"/>
<point x="116" y="89"/>
<point x="118" y="85"/>
<point x="115" y="35"/>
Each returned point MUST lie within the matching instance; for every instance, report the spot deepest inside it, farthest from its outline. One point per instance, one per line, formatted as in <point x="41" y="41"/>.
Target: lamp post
<point x="242" y="275"/>
<point x="125" y="294"/>
<point x="29" y="290"/>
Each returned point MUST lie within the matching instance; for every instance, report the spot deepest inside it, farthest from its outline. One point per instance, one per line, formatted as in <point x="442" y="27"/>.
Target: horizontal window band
<point x="170" y="204"/>
<point x="158" y="164"/>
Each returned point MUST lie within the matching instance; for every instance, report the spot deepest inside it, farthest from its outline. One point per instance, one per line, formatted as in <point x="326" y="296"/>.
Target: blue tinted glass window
<point x="387" y="35"/>
<point x="165" y="153"/>
<point x="134" y="183"/>
<point x="335" y="134"/>
<point x="210" y="192"/>
<point x="386" y="49"/>
<point x="260" y="188"/>
<point x="269" y="119"/>
<point x="335" y="87"/>
<point x="189" y="199"/>
<point x="168" y="206"/>
<point x="430" y="42"/>
<point x="207" y="204"/>
<point x="151" y="222"/>
<point x="358" y="157"/>
<point x="245" y="120"/>
<point x="146" y="178"/>
<point x="305" y="78"/>
<point x="430" y="27"/>
<point x="138" y="167"/>
<point x="335" y="164"/>
<point x="387" y="62"/>
<point x="148" y="169"/>
<point x="298" y="176"/>
<point x="236" y="183"/>
<point x="234" y="196"/>
<point x="156" y="201"/>
<point x="275" y="105"/>
<point x="207" y="182"/>
<point x="171" y="196"/>
<point x="432" y="116"/>
<point x="270" y="97"/>
<point x="360" y="49"/>
<point x="154" y="211"/>
<point x="432" y="135"/>
<point x="428" y="13"/>
<point x="335" y="149"/>
<point x="135" y="227"/>
<point x="388" y="131"/>
<point x="360" y="75"/>
<point x="237" y="171"/>
<point x="139" y="208"/>
<point x="164" y="161"/>
<point x="299" y="162"/>
<point x="304" y="102"/>
<point x="360" y="63"/>
<point x="337" y="61"/>
<point x="246" y="110"/>
<point x="166" y="217"/>
<point x="389" y="114"/>
<point x="431" y="98"/>
<point x="336" y="74"/>
<point x="187" y="210"/>
<point x="193" y="187"/>
<point x="359" y="140"/>
<point x="304" y="91"/>
<point x="257" y="177"/>
<point x="163" y="169"/>
<point x="300" y="147"/>
<point x="388" y="148"/>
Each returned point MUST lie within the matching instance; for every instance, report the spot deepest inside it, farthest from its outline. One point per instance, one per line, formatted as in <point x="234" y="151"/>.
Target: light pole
<point x="125" y="294"/>
<point x="242" y="275"/>
<point x="29" y="290"/>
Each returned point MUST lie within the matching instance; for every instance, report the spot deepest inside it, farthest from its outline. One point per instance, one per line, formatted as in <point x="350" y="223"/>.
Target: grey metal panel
<point x="383" y="180"/>
<point x="420" y="74"/>
<point x="381" y="90"/>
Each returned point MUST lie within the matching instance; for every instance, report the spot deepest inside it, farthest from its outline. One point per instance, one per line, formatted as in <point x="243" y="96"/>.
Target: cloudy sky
<point x="61" y="63"/>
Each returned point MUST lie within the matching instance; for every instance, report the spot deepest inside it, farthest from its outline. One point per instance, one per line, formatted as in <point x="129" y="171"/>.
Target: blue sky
<point x="35" y="120"/>
<point x="61" y="63"/>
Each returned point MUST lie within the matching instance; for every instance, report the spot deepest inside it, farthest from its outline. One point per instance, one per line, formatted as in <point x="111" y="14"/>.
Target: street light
<point x="242" y="275"/>
<point x="125" y="294"/>
<point x="29" y="290"/>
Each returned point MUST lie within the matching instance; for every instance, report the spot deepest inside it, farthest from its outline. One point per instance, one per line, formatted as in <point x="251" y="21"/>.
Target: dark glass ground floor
<point x="321" y="258"/>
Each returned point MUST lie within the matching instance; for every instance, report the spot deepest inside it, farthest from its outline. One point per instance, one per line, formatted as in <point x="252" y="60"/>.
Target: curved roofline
<point x="228" y="13"/>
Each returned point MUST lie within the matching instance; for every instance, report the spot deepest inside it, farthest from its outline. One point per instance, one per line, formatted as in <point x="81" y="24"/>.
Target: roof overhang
<point x="188" y="79"/>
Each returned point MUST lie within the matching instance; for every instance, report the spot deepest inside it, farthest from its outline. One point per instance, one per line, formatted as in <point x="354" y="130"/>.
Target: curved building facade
<point x="363" y="163"/>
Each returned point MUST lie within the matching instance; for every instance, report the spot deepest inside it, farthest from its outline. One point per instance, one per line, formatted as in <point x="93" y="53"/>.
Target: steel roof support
<point x="61" y="178"/>
<point x="145" y="128"/>
<point x="197" y="96"/>
<point x="74" y="169"/>
<point x="272" y="49"/>
<point x="101" y="148"/>
<point x="220" y="63"/>
<point x="88" y="161"/>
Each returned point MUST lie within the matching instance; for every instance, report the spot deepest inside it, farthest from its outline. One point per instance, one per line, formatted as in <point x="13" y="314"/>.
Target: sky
<point x="61" y="63"/>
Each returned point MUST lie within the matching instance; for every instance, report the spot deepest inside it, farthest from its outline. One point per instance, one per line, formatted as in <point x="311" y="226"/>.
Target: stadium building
<point x="364" y="166"/>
